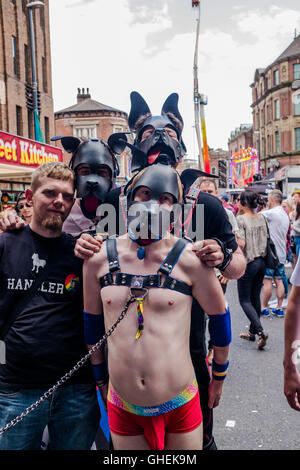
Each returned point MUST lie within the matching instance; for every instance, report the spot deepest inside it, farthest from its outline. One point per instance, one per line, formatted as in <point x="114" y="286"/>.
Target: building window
<point x="26" y="62"/>
<point x="276" y="77"/>
<point x="297" y="138"/>
<point x="276" y="109"/>
<point x="19" y="120"/>
<point x="44" y="72"/>
<point x="47" y="133"/>
<point x="30" y="124"/>
<point x="296" y="101"/>
<point x="117" y="129"/>
<point x="277" y="142"/>
<point x="85" y="132"/>
<point x="296" y="71"/>
<point x="15" y="55"/>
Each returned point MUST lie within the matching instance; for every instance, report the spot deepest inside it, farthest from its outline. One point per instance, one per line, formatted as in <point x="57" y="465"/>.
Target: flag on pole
<point x="195" y="3"/>
<point x="38" y="131"/>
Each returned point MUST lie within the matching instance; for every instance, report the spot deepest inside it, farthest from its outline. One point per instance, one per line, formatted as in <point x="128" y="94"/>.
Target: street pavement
<point x="253" y="413"/>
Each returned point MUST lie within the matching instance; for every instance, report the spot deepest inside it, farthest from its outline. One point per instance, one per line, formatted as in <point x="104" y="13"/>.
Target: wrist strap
<point x="219" y="371"/>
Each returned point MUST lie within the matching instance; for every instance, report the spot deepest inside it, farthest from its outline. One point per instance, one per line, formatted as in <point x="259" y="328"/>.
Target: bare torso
<point x="156" y="367"/>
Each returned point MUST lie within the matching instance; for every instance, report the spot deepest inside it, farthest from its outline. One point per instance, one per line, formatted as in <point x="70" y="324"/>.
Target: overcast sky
<point x="116" y="46"/>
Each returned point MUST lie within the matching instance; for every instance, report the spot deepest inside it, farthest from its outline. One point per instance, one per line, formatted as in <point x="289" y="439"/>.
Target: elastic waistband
<point x="184" y="397"/>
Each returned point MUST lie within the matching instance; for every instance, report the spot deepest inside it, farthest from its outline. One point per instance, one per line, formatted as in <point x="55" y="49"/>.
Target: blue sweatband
<point x="100" y="372"/>
<point x="219" y="327"/>
<point x="94" y="327"/>
<point x="219" y="371"/>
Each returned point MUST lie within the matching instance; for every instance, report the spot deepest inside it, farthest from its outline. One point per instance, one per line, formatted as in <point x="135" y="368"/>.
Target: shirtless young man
<point x="153" y="397"/>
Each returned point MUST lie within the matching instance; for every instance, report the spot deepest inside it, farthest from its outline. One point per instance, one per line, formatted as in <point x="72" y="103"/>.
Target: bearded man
<point x="41" y="323"/>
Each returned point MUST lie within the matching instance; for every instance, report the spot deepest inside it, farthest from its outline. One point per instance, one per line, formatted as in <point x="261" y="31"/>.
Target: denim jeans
<point x="249" y="288"/>
<point x="71" y="413"/>
<point x="297" y="245"/>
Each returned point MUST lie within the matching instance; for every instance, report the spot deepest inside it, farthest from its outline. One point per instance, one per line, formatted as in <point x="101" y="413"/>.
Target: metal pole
<point x="197" y="97"/>
<point x="30" y="7"/>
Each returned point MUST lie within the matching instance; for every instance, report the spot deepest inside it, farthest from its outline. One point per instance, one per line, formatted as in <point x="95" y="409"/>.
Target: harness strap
<point x="112" y="255"/>
<point x="150" y="280"/>
<point x="172" y="258"/>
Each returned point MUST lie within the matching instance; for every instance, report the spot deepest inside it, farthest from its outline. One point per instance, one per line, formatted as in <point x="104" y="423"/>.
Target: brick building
<point x="16" y="111"/>
<point x="276" y="110"/>
<point x="241" y="137"/>
<point x="91" y="119"/>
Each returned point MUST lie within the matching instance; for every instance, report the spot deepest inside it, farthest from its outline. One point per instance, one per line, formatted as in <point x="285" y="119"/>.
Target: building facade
<point x="241" y="137"/>
<point x="91" y="119"/>
<point x="276" y="110"/>
<point x="16" y="104"/>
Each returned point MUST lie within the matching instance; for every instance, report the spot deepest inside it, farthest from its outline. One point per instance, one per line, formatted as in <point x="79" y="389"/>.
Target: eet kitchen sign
<point x="16" y="150"/>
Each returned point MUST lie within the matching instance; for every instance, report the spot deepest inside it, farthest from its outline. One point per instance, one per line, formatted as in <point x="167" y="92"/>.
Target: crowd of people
<point x="155" y="291"/>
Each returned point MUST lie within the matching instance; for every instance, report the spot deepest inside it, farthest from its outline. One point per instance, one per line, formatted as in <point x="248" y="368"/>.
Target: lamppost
<point x="31" y="6"/>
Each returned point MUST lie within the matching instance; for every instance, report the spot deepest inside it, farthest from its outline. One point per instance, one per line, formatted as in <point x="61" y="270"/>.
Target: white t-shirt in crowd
<point x="278" y="222"/>
<point x="295" y="277"/>
<point x="232" y="220"/>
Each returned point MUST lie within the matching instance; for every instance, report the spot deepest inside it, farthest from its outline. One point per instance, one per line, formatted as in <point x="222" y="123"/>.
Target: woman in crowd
<point x="22" y="208"/>
<point x="252" y="239"/>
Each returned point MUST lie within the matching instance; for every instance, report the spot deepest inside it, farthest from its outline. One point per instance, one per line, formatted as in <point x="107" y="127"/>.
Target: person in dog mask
<point x="149" y="220"/>
<point x="95" y="167"/>
<point x="215" y="224"/>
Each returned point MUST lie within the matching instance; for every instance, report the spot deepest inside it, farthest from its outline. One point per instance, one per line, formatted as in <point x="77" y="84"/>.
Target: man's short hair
<point x="56" y="170"/>
<point x="276" y="195"/>
<point x="296" y="191"/>
<point x="202" y="180"/>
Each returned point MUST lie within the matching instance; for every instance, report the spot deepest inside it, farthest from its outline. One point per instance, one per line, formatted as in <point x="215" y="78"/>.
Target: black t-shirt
<point x="46" y="340"/>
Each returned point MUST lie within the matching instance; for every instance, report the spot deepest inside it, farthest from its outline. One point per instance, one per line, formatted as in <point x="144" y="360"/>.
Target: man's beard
<point x="53" y="222"/>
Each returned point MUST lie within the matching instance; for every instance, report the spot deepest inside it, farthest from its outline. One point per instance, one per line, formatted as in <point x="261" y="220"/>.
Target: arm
<point x="217" y="225"/>
<point x="291" y="345"/>
<point x="87" y="245"/>
<point x="210" y="252"/>
<point x="94" y="323"/>
<point x="208" y="292"/>
<point x="11" y="221"/>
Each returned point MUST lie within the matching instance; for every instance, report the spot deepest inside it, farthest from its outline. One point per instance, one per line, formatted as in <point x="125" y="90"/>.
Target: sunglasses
<point x="21" y="206"/>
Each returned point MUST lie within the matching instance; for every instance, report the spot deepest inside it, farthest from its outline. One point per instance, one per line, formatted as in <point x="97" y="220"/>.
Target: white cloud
<point x="100" y="46"/>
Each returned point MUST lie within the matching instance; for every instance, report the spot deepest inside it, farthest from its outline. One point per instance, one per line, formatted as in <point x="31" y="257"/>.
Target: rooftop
<point x="86" y="104"/>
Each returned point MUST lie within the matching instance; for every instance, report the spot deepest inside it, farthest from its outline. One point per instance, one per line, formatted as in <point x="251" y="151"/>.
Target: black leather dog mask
<point x="159" y="147"/>
<point x="91" y="188"/>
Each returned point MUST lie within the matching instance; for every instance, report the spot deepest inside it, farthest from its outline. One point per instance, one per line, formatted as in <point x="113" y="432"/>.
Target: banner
<point x="26" y="153"/>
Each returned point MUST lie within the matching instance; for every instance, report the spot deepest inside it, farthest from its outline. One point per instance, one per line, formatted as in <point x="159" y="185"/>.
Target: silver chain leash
<point x="69" y="374"/>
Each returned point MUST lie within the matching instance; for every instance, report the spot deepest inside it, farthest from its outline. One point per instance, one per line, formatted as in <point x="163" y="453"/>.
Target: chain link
<point x="69" y="374"/>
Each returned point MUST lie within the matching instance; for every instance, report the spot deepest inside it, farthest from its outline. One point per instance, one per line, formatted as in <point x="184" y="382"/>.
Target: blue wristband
<point x="219" y="371"/>
<point x="94" y="327"/>
<point x="100" y="372"/>
<point x="219" y="327"/>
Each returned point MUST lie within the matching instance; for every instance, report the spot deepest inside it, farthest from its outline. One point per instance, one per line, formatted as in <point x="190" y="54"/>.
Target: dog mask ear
<point x="118" y="142"/>
<point x="171" y="106"/>
<point x="190" y="175"/>
<point x="139" y="108"/>
<point x="69" y="143"/>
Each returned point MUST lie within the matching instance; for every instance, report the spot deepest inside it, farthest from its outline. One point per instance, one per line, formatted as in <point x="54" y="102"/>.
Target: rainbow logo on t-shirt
<point x="71" y="282"/>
